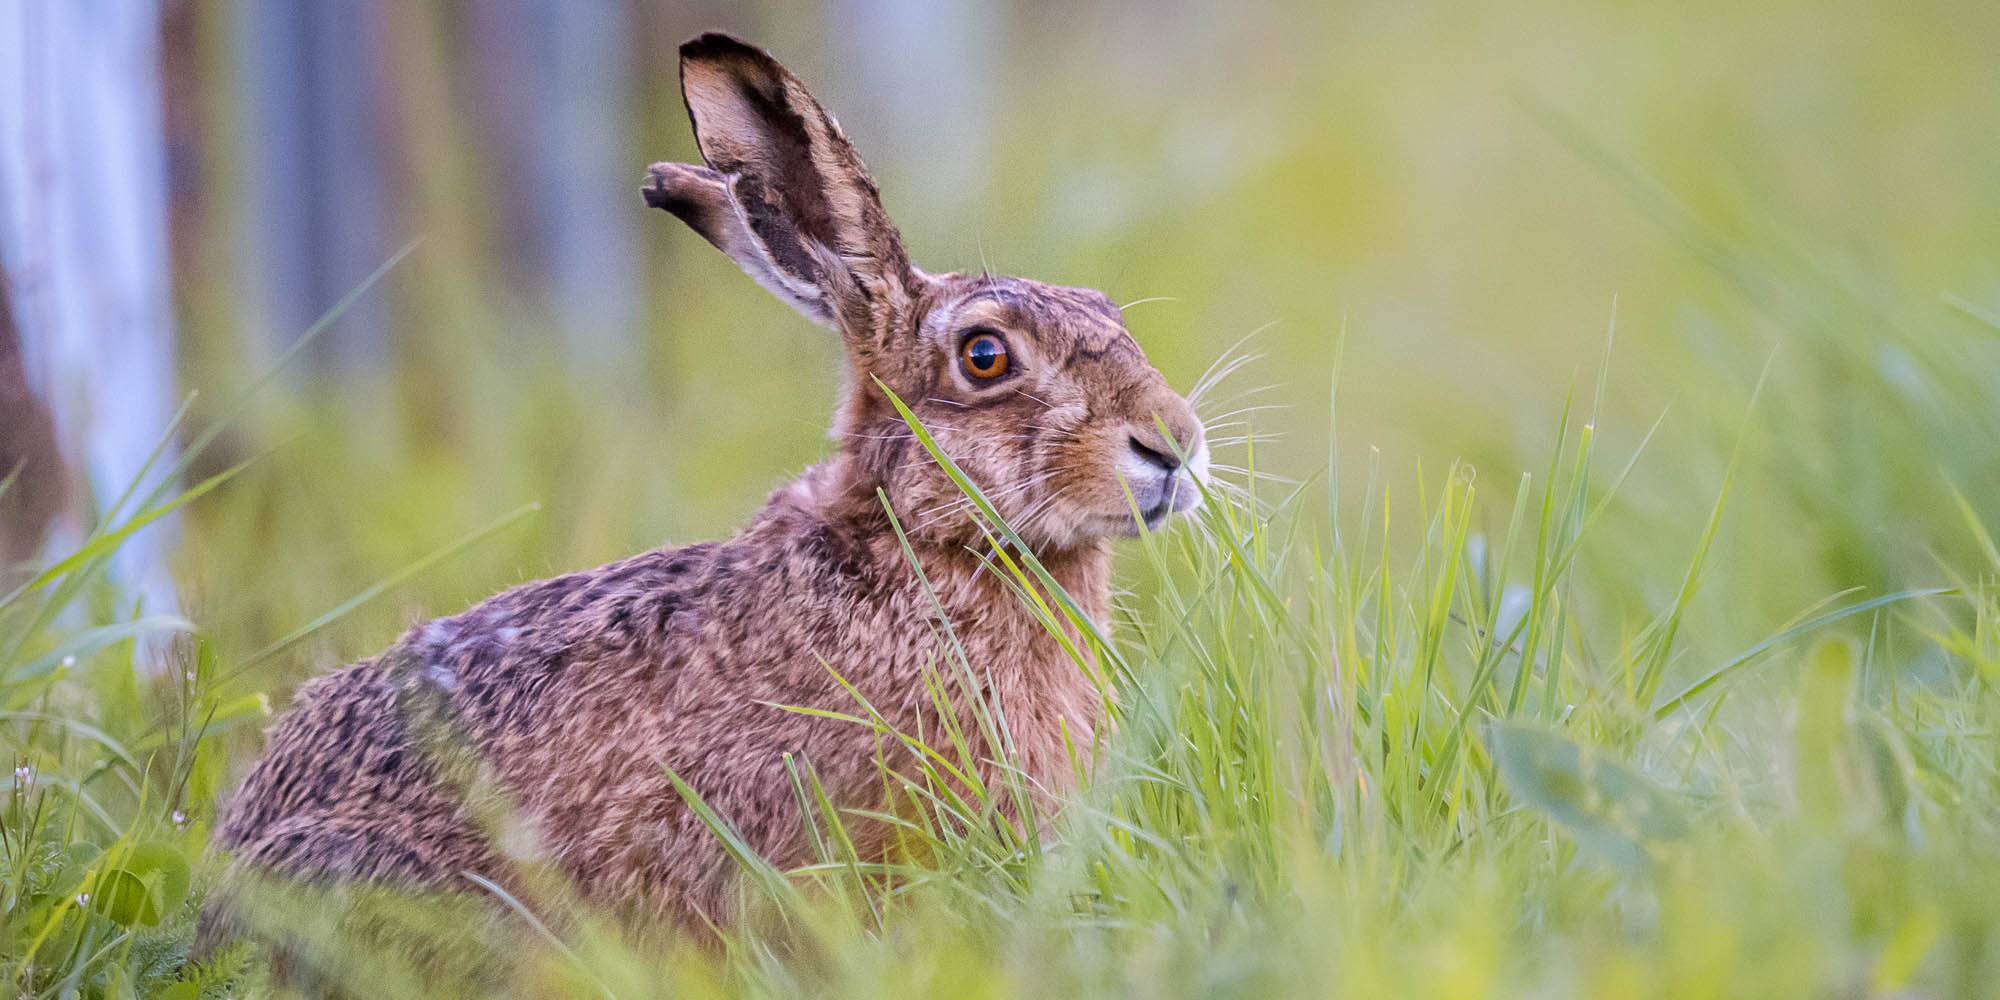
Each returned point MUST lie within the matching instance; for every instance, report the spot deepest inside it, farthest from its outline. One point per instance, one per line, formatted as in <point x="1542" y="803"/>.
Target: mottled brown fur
<point x="538" y="726"/>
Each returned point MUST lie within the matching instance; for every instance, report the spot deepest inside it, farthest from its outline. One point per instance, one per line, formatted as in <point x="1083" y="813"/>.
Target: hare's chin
<point x="1124" y="525"/>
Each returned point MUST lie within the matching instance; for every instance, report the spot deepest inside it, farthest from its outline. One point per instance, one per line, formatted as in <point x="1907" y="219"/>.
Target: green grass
<point x="1364" y="748"/>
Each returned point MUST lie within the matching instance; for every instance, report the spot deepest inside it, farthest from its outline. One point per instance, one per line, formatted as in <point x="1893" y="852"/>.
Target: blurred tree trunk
<point x="83" y="244"/>
<point x="27" y="455"/>
<point x="315" y="163"/>
<point x="921" y="73"/>
<point x="324" y="96"/>
<point x="554" y="79"/>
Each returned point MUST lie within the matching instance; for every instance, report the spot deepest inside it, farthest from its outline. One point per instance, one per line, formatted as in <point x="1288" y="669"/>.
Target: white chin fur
<point x="1190" y="480"/>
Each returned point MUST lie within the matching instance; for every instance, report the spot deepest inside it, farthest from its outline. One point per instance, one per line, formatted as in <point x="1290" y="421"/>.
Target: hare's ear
<point x="706" y="201"/>
<point x="785" y="194"/>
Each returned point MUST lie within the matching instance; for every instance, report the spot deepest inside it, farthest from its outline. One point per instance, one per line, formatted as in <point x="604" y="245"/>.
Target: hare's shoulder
<point x="624" y="624"/>
<point x="499" y="655"/>
<point x="603" y="605"/>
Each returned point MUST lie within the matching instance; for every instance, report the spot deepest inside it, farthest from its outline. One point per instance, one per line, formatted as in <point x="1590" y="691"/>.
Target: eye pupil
<point x="985" y="356"/>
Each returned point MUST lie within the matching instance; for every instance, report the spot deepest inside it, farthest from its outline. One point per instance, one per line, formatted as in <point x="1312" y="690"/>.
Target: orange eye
<point x="984" y="357"/>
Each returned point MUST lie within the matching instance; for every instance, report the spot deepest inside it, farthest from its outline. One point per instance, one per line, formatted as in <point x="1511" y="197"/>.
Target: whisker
<point x="1211" y="377"/>
<point x="1034" y="397"/>
<point x="1218" y="372"/>
<point x="1237" y="396"/>
<point x="1002" y="492"/>
<point x="1236" y="439"/>
<point x="1253" y="409"/>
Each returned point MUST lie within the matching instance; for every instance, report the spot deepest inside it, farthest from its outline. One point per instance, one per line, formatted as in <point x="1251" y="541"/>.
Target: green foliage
<point x="98" y="850"/>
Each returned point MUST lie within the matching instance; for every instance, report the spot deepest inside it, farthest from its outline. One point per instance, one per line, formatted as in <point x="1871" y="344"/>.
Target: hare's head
<point x="1036" y="391"/>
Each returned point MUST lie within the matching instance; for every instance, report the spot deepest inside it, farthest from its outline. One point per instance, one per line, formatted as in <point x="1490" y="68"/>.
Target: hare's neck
<point x="1083" y="572"/>
<point x="831" y="494"/>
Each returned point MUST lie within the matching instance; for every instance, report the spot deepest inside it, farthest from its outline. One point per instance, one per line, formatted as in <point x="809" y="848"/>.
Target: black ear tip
<point x="716" y="46"/>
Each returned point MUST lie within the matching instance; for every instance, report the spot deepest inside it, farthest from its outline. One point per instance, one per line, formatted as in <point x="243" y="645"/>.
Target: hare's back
<point x="379" y="752"/>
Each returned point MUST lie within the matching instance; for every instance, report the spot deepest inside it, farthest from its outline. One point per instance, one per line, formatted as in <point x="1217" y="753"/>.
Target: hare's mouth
<point x="1156" y="503"/>
<point x="1178" y="496"/>
<point x="1163" y="487"/>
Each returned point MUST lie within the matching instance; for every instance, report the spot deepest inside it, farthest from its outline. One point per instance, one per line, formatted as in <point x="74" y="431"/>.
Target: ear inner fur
<point x="707" y="201"/>
<point x="802" y="187"/>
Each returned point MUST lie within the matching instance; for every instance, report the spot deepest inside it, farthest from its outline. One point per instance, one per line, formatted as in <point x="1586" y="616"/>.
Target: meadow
<point x="1596" y="596"/>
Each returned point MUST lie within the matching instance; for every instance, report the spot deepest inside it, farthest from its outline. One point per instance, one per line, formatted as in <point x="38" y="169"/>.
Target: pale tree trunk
<point x="83" y="243"/>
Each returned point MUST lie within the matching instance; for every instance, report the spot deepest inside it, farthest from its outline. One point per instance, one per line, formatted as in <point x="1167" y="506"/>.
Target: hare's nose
<point x="1162" y="460"/>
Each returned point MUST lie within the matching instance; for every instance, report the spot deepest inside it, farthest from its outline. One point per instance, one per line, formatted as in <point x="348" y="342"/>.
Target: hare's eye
<point x="984" y="356"/>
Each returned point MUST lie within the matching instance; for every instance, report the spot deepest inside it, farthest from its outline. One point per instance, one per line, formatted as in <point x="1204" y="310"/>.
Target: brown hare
<point x="573" y="696"/>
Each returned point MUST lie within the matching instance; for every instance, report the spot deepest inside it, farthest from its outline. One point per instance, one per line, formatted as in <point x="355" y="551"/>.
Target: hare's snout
<point x="1164" y="477"/>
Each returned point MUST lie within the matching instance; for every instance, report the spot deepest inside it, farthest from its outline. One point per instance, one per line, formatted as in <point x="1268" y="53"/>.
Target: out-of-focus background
<point x="1469" y="197"/>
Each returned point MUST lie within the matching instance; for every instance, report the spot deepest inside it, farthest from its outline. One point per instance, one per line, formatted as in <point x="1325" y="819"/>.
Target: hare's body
<point x="538" y="729"/>
<point x="672" y="658"/>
